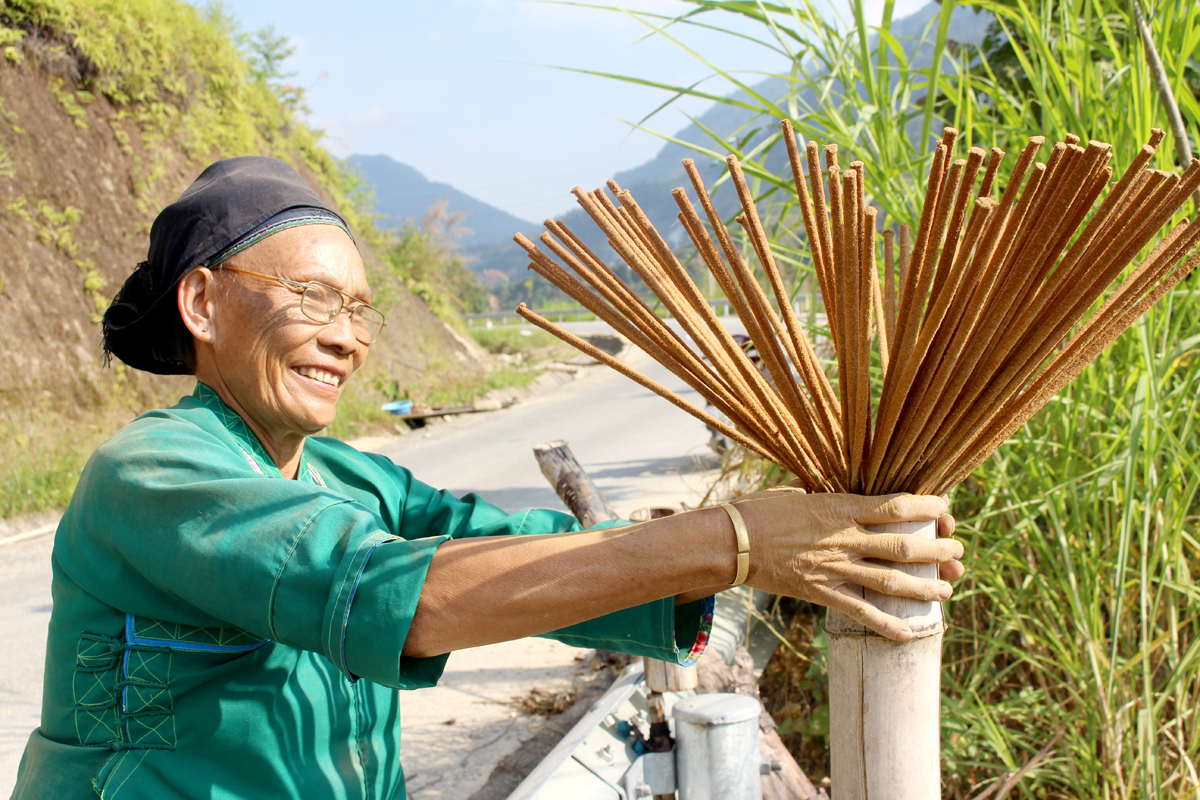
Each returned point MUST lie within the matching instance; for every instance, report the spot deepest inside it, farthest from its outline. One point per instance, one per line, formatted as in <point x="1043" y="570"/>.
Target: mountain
<point x="651" y="183"/>
<point x="402" y="193"/>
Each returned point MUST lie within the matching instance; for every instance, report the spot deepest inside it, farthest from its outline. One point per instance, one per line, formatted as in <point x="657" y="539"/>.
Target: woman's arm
<point x="492" y="589"/>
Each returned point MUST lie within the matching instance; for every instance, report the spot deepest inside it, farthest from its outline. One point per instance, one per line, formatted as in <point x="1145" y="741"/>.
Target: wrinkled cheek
<point x="270" y="379"/>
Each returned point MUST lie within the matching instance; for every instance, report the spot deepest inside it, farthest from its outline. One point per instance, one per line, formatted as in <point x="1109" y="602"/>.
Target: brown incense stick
<point x="969" y="172"/>
<point x="934" y="218"/>
<point x="766" y="395"/>
<point x="989" y="177"/>
<point x="1009" y="377"/>
<point x="825" y="399"/>
<point x="1005" y="426"/>
<point x="970" y="319"/>
<point x="879" y="316"/>
<point x="792" y="334"/>
<point x="850" y="300"/>
<point x="808" y="212"/>
<point x="889" y="283"/>
<point x="824" y="233"/>
<point x="716" y="343"/>
<point x="608" y="360"/>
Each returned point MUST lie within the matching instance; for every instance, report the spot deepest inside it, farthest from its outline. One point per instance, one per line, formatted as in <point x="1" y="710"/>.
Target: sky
<point x="478" y="93"/>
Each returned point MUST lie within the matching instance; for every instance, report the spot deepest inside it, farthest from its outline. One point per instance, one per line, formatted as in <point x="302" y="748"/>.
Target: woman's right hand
<point x="815" y="547"/>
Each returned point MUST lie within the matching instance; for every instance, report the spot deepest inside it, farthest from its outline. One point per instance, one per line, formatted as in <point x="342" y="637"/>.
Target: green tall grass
<point x="1073" y="662"/>
<point x="1076" y="66"/>
<point x="1081" y="613"/>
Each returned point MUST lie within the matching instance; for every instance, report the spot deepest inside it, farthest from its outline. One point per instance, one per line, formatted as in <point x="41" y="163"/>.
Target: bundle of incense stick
<point x="983" y="316"/>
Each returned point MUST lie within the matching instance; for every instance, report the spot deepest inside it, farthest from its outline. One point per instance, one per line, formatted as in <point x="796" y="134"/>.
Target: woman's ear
<point x="196" y="297"/>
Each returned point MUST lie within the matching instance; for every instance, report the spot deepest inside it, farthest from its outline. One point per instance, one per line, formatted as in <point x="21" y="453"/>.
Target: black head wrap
<point x="233" y="204"/>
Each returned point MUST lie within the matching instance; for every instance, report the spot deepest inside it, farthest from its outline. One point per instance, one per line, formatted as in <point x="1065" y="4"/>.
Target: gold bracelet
<point x="743" y="543"/>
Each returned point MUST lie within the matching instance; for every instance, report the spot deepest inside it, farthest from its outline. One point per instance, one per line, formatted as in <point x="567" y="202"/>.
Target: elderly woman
<point x="236" y="601"/>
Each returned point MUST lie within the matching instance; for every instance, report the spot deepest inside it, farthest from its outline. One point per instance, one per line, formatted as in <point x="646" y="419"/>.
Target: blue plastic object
<point x="398" y="407"/>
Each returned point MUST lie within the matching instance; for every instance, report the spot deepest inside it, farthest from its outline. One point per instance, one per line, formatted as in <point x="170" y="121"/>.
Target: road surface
<point x="640" y="450"/>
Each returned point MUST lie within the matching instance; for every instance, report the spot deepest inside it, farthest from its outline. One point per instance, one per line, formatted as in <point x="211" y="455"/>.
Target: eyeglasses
<point x="322" y="303"/>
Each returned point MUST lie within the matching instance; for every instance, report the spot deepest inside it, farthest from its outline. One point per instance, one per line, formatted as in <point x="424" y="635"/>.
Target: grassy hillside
<point x="109" y="109"/>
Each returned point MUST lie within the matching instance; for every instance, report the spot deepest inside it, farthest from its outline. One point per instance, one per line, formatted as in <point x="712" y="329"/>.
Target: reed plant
<point x="1073" y="661"/>
<point x="1079" y="622"/>
<point x="1084" y="524"/>
<point x="839" y="80"/>
<point x="1076" y="65"/>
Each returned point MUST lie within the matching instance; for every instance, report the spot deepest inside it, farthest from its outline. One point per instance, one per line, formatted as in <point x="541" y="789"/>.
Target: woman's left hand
<point x="948" y="571"/>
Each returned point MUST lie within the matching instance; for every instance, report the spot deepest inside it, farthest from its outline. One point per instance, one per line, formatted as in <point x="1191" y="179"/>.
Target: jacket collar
<point x="256" y="455"/>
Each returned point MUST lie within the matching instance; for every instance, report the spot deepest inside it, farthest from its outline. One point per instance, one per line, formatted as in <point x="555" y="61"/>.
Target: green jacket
<point x="220" y="632"/>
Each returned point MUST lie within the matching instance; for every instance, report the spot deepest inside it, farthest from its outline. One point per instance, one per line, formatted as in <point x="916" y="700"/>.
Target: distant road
<point x="640" y="450"/>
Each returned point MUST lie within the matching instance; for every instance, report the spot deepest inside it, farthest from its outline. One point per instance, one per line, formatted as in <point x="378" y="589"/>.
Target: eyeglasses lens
<point x="367" y="323"/>
<point x="323" y="303"/>
<point x="320" y="303"/>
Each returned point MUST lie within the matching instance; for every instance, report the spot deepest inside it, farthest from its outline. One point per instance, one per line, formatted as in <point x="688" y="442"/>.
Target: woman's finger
<point x="896" y="582"/>
<point x="847" y="601"/>
<point x="882" y="509"/>
<point x="906" y="548"/>
<point x="951" y="570"/>
<point x="945" y="526"/>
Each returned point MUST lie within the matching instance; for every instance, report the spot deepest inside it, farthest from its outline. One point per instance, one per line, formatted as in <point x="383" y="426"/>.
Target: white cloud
<point x="343" y="132"/>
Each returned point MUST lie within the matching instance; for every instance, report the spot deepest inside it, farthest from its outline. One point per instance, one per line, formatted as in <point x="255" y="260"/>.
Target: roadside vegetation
<point x="516" y="357"/>
<point x="424" y="258"/>
<point x="1072" y="665"/>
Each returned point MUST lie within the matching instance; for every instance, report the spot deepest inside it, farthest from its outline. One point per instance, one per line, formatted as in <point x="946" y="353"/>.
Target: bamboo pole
<point x="884" y="696"/>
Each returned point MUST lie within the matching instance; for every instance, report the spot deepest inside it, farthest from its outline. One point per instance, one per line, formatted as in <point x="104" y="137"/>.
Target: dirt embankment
<point x="75" y="213"/>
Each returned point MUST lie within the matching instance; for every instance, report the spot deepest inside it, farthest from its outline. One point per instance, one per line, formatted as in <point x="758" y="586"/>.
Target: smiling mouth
<point x="327" y="378"/>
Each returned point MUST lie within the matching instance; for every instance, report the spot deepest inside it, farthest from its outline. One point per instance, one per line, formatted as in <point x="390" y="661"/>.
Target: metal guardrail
<point x="719" y="304"/>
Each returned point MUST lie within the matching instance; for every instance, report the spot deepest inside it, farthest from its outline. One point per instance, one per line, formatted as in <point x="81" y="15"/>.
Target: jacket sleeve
<point x="658" y="629"/>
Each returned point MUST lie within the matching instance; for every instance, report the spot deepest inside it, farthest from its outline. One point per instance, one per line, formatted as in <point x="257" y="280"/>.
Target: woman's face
<point x="283" y="371"/>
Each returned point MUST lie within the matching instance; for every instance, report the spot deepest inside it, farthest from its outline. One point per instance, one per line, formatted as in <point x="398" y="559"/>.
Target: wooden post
<point x="580" y="495"/>
<point x="663" y="676"/>
<point x="884" y="696"/>
<point x="572" y="484"/>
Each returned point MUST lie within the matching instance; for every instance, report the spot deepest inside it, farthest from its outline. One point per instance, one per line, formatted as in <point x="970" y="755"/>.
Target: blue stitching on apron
<point x="187" y="647"/>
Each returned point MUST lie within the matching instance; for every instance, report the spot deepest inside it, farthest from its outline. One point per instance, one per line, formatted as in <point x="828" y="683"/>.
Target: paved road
<point x="640" y="450"/>
<point x="24" y="613"/>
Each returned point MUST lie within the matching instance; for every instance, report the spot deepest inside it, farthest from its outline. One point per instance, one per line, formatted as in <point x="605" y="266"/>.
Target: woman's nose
<point x="340" y="333"/>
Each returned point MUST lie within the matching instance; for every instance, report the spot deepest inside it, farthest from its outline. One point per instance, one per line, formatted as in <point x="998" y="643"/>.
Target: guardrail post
<point x="716" y="747"/>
